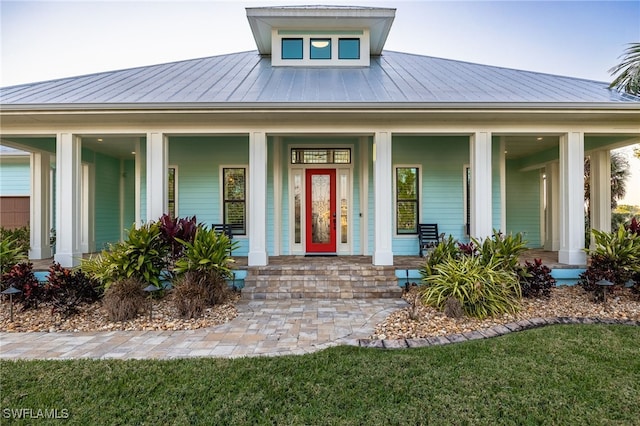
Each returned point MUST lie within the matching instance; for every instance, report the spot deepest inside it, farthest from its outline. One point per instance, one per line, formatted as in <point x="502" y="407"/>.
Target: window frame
<point x="223" y="199"/>
<point x="282" y="49"/>
<point x="417" y="200"/>
<point x="176" y="212"/>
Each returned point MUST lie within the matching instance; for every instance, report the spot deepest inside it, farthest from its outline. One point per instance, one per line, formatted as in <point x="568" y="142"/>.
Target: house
<point x="319" y="142"/>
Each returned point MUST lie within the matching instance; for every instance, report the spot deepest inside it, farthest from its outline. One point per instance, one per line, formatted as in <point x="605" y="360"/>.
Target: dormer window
<point x="349" y="48"/>
<point x="320" y="48"/>
<point x="292" y="48"/>
<point x="320" y="36"/>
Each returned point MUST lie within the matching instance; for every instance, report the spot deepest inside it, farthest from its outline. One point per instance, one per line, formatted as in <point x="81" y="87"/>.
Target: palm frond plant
<point x="628" y="71"/>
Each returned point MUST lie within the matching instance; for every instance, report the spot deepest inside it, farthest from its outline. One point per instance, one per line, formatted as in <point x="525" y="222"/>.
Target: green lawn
<point x="562" y="375"/>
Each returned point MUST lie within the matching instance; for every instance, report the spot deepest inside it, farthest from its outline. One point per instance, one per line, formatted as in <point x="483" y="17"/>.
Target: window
<point x="291" y="48"/>
<point x="407" y="200"/>
<point x="172" y="191"/>
<point x="235" y="201"/>
<point x="349" y="48"/>
<point x="320" y="48"/>
<point x="320" y="156"/>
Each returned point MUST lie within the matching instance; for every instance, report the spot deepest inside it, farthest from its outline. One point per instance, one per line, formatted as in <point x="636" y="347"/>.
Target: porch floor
<point x="549" y="258"/>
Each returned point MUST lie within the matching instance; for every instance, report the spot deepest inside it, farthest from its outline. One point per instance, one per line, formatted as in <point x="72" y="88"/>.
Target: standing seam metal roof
<point x="247" y="77"/>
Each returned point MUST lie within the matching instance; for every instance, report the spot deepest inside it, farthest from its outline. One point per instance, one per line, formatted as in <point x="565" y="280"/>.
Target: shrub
<point x="616" y="257"/>
<point x="536" y="279"/>
<point x="124" y="299"/>
<point x="174" y="230"/>
<point x="65" y="289"/>
<point x="504" y="249"/>
<point x="209" y="252"/>
<point x="447" y="249"/>
<point x="14" y="247"/>
<point x="21" y="277"/>
<point x="190" y="295"/>
<point x="483" y="289"/>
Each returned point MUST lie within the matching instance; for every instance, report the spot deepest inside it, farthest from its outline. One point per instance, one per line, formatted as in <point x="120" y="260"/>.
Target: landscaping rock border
<point x="487" y="333"/>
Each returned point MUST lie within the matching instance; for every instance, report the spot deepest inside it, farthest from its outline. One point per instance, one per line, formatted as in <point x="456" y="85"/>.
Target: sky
<point x="45" y="40"/>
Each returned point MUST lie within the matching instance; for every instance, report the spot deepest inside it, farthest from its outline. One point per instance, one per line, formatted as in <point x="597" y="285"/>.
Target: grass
<point x="554" y="375"/>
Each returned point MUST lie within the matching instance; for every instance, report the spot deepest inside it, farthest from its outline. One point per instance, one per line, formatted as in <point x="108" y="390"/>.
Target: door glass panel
<point x="344" y="208"/>
<point x="297" y="207"/>
<point x="320" y="209"/>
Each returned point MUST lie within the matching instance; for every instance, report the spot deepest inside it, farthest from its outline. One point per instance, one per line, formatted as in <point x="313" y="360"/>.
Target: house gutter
<point x="319" y="107"/>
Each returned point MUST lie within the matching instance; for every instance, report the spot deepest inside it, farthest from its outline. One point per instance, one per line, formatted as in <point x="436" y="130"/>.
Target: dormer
<point x="320" y="35"/>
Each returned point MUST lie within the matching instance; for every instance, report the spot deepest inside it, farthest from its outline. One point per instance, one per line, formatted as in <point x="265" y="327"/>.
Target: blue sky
<point x="43" y="40"/>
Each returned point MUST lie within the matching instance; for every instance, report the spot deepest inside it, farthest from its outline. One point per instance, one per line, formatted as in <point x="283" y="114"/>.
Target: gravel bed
<point x="565" y="301"/>
<point x="93" y="317"/>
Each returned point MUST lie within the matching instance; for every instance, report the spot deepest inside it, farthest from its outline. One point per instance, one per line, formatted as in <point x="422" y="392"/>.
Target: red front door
<point x="321" y="210"/>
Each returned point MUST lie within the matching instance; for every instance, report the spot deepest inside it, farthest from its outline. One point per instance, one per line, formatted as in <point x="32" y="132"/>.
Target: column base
<point x="572" y="257"/>
<point x="68" y="260"/>
<point x="383" y="258"/>
<point x="40" y="253"/>
<point x="257" y="258"/>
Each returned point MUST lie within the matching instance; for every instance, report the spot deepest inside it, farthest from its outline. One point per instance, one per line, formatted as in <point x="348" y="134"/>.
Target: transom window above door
<point x="320" y="156"/>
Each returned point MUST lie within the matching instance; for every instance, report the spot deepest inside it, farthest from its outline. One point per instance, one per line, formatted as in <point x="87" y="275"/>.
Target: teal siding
<point x="107" y="200"/>
<point x="15" y="176"/>
<point x="442" y="159"/>
<point x="198" y="160"/>
<point x="523" y="204"/>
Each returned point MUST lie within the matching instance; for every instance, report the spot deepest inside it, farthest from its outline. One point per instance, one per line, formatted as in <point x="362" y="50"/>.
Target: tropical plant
<point x="124" y="299"/>
<point x="173" y="230"/>
<point x="615" y="257"/>
<point x="21" y="277"/>
<point x="206" y="263"/>
<point x="191" y="295"/>
<point x="628" y="71"/>
<point x="143" y="256"/>
<point x="536" y="279"/>
<point x="504" y="249"/>
<point x="447" y="249"/>
<point x="482" y="288"/>
<point x="11" y="253"/>
<point x="65" y="289"/>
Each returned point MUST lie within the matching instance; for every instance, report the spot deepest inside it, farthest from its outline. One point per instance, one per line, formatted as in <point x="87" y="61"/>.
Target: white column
<point x="157" y="165"/>
<point x="552" y="234"/>
<point x="257" y="207"/>
<point x="481" y="206"/>
<point x="139" y="170"/>
<point x="40" y="221"/>
<point x="503" y="184"/>
<point x="600" y="199"/>
<point x="68" y="200"/>
<point x="571" y="212"/>
<point x="383" y="199"/>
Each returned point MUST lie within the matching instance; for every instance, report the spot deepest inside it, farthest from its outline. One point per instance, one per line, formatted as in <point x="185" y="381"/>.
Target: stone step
<point x="321" y="282"/>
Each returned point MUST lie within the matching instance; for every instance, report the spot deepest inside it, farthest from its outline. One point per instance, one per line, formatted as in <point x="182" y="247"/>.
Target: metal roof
<point x="247" y="79"/>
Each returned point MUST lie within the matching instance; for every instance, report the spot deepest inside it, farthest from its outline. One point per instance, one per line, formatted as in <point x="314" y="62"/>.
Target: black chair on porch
<point x="428" y="236"/>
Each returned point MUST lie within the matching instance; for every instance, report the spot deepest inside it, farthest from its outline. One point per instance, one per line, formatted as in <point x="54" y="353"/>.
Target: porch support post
<point x="40" y="221"/>
<point x="257" y="199"/>
<point x="383" y="199"/>
<point x="481" y="190"/>
<point x="552" y="234"/>
<point x="600" y="198"/>
<point x="572" y="199"/>
<point x="157" y="165"/>
<point x="68" y="200"/>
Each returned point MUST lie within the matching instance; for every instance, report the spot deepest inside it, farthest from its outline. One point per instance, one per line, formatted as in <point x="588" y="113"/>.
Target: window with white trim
<point x="407" y="195"/>
<point x="172" y="191"/>
<point x="234" y="198"/>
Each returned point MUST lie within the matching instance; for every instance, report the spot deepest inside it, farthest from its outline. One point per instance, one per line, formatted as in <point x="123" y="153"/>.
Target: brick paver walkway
<point x="266" y="327"/>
